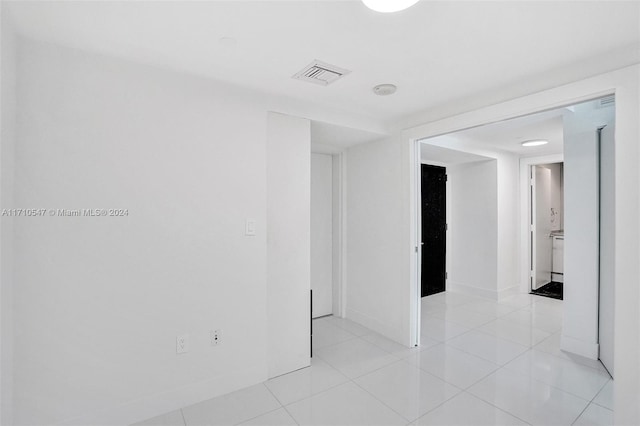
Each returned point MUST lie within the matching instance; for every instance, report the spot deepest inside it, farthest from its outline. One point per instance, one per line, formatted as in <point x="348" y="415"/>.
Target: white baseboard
<point x="471" y="291"/>
<point x="580" y="347"/>
<point x="378" y="326"/>
<point x="509" y="291"/>
<point x="166" y="402"/>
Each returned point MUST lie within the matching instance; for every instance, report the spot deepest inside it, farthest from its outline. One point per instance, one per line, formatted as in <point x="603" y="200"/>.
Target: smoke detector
<point x="385" y="89"/>
<point x="319" y="72"/>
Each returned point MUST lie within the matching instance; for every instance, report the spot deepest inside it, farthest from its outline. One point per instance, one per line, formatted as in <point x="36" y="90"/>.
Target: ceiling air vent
<point x="606" y="101"/>
<point x="320" y="73"/>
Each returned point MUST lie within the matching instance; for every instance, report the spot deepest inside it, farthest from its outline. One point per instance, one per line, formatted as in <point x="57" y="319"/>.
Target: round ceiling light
<point x="388" y="6"/>
<point x="385" y="89"/>
<point x="535" y="142"/>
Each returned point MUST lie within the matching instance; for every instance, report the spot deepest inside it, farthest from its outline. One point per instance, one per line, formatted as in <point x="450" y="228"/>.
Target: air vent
<point x="606" y="101"/>
<point x="320" y="73"/>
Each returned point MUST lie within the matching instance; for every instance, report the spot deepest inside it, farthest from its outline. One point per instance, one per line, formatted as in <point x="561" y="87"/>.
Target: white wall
<point x="557" y="194"/>
<point x="338" y="263"/>
<point x="506" y="184"/>
<point x="99" y="301"/>
<point x="322" y="234"/>
<point x="7" y="138"/>
<point x="377" y="281"/>
<point x="627" y="233"/>
<point x="473" y="228"/>
<point x="508" y="215"/>
<point x="288" y="242"/>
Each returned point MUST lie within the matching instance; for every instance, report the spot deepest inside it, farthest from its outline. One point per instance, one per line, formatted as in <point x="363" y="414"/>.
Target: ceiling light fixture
<point x="535" y="142"/>
<point x="388" y="6"/>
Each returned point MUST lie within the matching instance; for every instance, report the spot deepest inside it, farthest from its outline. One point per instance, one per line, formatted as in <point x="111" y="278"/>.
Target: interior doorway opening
<point x="546" y="216"/>
<point x="572" y="135"/>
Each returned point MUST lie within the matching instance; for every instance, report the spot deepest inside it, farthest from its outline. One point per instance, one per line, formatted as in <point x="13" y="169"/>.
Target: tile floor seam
<point x="384" y="403"/>
<point x="473" y="396"/>
<point x="334" y="344"/>
<point x="290" y="415"/>
<point x="510" y="413"/>
<point x="259" y="415"/>
<point x="544" y="383"/>
<point x="501" y="409"/>
<point x="467" y="353"/>
<point x="316" y="394"/>
<point x="598" y="393"/>
<point x="579" y="415"/>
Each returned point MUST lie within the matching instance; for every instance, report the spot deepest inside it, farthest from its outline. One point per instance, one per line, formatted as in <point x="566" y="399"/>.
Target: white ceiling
<point x="440" y="156"/>
<point x="508" y="135"/>
<point x="436" y="51"/>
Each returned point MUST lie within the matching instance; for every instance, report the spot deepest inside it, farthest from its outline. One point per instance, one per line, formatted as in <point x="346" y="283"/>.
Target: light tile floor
<point x="480" y="363"/>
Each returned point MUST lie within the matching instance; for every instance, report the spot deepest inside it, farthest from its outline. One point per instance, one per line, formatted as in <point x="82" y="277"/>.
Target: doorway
<point x="547" y="229"/>
<point x="570" y="136"/>
<point x="434" y="229"/>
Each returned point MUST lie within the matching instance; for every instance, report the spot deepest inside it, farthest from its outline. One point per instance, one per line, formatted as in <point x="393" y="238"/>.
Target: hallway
<point x="481" y="362"/>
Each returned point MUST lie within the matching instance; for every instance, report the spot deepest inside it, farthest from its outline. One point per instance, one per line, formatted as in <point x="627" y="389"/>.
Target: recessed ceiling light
<point x="388" y="6"/>
<point x="385" y="89"/>
<point x="535" y="142"/>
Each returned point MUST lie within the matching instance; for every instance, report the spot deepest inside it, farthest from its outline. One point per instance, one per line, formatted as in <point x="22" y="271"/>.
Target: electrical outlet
<point x="216" y="337"/>
<point x="182" y="344"/>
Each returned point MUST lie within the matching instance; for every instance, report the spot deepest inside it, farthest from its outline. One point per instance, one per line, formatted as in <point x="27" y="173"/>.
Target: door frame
<point x="520" y="107"/>
<point x="525" y="214"/>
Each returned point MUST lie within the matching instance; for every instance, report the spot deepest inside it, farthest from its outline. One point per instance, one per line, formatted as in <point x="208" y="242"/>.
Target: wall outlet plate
<point x="216" y="337"/>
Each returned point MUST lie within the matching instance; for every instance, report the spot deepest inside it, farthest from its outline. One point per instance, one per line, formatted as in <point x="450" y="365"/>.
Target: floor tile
<point x="523" y="335"/>
<point x="488" y="347"/>
<point x="348" y="325"/>
<point x="549" y="301"/>
<point x="452" y="298"/>
<point x="466" y="409"/>
<point x="232" y="408"/>
<point x="568" y="376"/>
<point x="551" y="323"/>
<point x="173" y="418"/>
<point x="346" y="404"/>
<point x="406" y="389"/>
<point x="518" y="301"/>
<point x="278" y="417"/>
<point x="327" y="334"/>
<point x="605" y="396"/>
<point x="530" y="400"/>
<point x="356" y="357"/>
<point x="544" y="308"/>
<point x="303" y="383"/>
<point x="551" y="345"/>
<point x="489" y="307"/>
<point x="396" y="348"/>
<point x="452" y="365"/>
<point x="439" y="329"/>
<point x="595" y="415"/>
<point x="464" y="317"/>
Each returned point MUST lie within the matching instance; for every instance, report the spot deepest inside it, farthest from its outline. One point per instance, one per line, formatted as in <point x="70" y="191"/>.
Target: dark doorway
<point x="434" y="228"/>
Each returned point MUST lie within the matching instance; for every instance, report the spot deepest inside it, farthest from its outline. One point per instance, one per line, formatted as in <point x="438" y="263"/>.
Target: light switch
<point x="250" y="228"/>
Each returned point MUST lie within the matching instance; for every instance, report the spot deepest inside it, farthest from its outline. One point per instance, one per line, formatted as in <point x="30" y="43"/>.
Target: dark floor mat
<point x="553" y="290"/>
